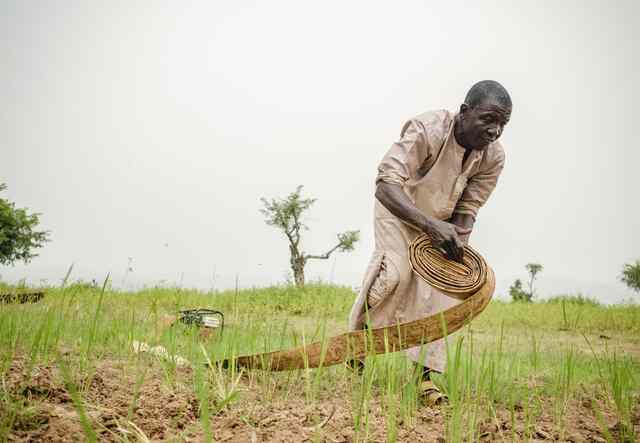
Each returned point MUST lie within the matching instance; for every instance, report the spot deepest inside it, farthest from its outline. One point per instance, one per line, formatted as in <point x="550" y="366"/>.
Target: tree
<point x="533" y="269"/>
<point x="18" y="235"/>
<point x="631" y="275"/>
<point x="516" y="291"/>
<point x="286" y="214"/>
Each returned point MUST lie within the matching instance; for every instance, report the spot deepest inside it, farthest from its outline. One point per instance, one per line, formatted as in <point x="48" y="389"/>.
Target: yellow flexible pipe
<point x="472" y="281"/>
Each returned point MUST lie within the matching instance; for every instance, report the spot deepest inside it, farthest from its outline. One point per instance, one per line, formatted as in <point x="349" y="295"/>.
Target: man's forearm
<point x="398" y="203"/>
<point x="465" y="222"/>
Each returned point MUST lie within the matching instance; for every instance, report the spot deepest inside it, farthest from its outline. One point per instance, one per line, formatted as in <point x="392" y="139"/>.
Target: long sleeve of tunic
<point x="481" y="185"/>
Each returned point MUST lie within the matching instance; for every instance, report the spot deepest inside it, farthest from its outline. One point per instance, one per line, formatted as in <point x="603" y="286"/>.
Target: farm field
<point x="549" y="371"/>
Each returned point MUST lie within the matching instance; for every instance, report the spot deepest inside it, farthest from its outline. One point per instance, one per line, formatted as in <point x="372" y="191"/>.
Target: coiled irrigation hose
<point x="472" y="281"/>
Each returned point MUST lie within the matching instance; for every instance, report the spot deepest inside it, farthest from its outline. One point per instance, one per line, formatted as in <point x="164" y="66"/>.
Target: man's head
<point x="483" y="115"/>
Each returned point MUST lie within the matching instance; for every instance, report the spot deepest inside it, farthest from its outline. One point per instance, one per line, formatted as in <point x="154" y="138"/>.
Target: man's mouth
<point x="488" y="140"/>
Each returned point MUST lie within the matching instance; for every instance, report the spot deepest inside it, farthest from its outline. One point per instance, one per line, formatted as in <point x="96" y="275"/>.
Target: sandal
<point x="356" y="366"/>
<point x="431" y="395"/>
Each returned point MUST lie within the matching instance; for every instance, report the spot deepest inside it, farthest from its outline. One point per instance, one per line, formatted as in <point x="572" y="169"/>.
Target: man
<point x="433" y="180"/>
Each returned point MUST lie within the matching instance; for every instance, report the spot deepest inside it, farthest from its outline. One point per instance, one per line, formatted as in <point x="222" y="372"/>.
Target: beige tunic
<point x="427" y="163"/>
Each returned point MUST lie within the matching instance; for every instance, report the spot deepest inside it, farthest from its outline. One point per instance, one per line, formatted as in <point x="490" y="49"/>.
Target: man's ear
<point x="464" y="108"/>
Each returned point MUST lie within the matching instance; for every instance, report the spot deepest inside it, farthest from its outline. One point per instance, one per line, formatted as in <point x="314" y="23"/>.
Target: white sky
<point x="151" y="130"/>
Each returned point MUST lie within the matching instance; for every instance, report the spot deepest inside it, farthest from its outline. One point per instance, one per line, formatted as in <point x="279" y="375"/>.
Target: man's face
<point x="483" y="124"/>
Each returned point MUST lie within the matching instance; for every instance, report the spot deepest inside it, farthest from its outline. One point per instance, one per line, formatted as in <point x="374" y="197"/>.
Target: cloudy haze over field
<point x="150" y="130"/>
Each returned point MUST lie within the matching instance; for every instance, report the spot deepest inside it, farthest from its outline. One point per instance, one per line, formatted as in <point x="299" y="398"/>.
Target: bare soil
<point x="161" y="413"/>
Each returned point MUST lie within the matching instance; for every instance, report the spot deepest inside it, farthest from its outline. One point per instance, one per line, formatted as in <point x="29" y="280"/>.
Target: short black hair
<point x="488" y="91"/>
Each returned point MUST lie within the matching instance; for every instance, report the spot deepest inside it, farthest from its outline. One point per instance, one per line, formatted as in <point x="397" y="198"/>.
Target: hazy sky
<point x="150" y="130"/>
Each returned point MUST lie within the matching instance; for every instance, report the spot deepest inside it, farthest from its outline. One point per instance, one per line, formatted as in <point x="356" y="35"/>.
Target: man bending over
<point x="434" y="179"/>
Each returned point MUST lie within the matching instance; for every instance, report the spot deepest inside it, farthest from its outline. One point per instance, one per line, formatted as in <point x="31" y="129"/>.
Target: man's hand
<point x="446" y="237"/>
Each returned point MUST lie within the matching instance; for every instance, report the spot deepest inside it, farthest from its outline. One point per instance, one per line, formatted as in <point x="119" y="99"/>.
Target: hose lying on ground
<point x="472" y="281"/>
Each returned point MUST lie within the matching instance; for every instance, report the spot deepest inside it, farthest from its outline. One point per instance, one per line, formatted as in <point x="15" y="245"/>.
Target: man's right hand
<point x="445" y="236"/>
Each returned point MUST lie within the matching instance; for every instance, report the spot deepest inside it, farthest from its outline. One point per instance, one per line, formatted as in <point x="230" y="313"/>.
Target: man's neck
<point x="458" y="133"/>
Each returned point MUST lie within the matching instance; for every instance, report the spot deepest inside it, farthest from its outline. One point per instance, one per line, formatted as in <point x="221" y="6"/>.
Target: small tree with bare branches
<point x="517" y="292"/>
<point x="533" y="269"/>
<point x="286" y="214"/>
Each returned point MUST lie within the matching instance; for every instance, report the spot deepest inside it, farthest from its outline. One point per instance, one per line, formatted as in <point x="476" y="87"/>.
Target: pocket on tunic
<point x="458" y="189"/>
<point x="384" y="282"/>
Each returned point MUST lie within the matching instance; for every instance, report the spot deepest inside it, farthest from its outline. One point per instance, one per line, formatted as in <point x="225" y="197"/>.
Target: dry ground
<point x="171" y="414"/>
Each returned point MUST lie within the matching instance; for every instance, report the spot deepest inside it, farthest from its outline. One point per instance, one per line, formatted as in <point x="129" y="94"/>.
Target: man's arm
<point x="443" y="235"/>
<point x="464" y="225"/>
<point x="477" y="192"/>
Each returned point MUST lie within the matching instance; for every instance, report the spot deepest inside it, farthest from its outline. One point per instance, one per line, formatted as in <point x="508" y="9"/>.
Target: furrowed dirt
<point x="119" y="407"/>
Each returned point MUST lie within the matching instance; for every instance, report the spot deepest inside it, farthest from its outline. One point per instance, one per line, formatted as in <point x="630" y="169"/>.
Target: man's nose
<point x="494" y="131"/>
